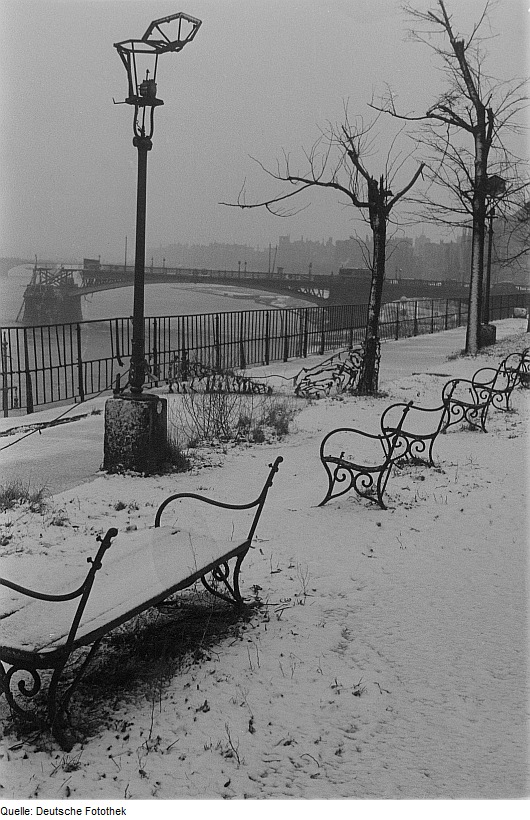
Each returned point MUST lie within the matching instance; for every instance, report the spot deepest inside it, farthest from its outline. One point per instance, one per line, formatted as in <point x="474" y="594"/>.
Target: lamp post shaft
<point x="137" y="366"/>
<point x="486" y="308"/>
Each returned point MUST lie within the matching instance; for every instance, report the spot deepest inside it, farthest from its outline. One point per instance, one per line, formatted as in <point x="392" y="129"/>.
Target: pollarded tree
<point x="337" y="161"/>
<point x="463" y="139"/>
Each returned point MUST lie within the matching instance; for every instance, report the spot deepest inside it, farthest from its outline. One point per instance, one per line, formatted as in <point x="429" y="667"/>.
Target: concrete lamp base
<point x="487" y="335"/>
<point x="135" y="433"/>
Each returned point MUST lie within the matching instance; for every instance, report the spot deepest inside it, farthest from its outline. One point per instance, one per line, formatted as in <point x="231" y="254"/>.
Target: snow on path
<point x="389" y="662"/>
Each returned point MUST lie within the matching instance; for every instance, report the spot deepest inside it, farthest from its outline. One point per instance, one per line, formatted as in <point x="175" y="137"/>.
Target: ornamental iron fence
<point x="52" y="364"/>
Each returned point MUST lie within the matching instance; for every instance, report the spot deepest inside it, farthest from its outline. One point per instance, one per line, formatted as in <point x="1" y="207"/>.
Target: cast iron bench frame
<point x="368" y="480"/>
<point x="418" y="446"/>
<point x="501" y="381"/>
<point x="473" y="409"/>
<point x="55" y="654"/>
<point x="339" y="371"/>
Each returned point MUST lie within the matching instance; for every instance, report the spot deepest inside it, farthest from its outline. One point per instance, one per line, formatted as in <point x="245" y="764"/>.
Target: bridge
<point x="314" y="288"/>
<point x="55" y="291"/>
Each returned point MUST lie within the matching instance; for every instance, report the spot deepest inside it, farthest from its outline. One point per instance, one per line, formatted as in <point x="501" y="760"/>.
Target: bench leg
<point x="58" y="707"/>
<point x="14" y="683"/>
<point x="361" y="481"/>
<point x="24" y="689"/>
<point x="472" y="415"/>
<point x="221" y="575"/>
<point x="337" y="476"/>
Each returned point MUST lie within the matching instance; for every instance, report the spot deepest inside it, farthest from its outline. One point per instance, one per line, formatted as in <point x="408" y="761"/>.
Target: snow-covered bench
<point x="41" y="630"/>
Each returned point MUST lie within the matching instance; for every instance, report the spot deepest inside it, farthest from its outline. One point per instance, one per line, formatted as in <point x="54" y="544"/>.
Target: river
<point x="42" y="365"/>
<point x="160" y="300"/>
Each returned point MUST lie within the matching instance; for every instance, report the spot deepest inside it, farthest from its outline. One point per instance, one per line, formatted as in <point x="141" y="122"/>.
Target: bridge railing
<point x="50" y="364"/>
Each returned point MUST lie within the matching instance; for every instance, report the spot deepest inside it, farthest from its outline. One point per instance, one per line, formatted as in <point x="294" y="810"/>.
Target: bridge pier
<point x="48" y="305"/>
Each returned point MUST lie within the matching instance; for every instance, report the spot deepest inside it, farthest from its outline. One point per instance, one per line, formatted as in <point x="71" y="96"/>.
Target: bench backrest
<point x="412" y="419"/>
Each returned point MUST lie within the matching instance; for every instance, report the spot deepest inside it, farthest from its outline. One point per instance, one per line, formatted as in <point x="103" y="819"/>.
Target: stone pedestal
<point x="487" y="335"/>
<point x="135" y="433"/>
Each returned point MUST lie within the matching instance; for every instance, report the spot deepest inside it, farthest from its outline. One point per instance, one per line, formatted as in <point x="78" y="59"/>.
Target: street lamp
<point x="136" y="422"/>
<point x="167" y="34"/>
<point x="496" y="187"/>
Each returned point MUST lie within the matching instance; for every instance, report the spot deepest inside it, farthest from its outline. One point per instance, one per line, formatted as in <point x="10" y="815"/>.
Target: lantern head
<point x="140" y="57"/>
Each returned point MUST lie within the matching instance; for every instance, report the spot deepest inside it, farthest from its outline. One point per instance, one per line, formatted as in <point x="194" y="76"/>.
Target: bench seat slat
<point x="151" y="566"/>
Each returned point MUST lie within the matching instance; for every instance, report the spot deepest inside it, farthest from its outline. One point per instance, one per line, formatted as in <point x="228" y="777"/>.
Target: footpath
<point x="70" y="453"/>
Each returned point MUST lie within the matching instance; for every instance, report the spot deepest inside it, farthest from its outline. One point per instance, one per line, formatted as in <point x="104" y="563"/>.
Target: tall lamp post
<point x="135" y="437"/>
<point x="137" y="55"/>
<point x="496" y="188"/>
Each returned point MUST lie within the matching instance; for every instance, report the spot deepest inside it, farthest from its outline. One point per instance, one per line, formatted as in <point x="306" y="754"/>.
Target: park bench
<point x="501" y="381"/>
<point x="419" y="433"/>
<point x="354" y="459"/>
<point x="469" y="400"/>
<point x="42" y="630"/>
<point x="338" y="373"/>
<point x="524" y="373"/>
<point x="465" y="403"/>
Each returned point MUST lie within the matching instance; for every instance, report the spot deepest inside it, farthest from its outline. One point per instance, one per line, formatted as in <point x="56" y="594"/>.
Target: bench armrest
<point x="449" y="388"/>
<point x="486" y="376"/>
<point x="258" y="502"/>
<point x="386" y="443"/>
<point x="68" y="596"/>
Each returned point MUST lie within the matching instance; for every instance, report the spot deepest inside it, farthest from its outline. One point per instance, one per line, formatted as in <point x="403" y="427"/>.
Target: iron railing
<point x="49" y="364"/>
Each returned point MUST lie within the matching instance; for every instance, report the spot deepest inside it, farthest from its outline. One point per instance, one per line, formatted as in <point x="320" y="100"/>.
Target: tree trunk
<point x="369" y="376"/>
<point x="479" y="232"/>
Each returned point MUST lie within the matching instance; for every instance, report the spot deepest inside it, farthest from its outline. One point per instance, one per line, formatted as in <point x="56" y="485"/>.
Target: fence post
<point x="242" y="357"/>
<point x="29" y="386"/>
<point x="5" y="406"/>
<point x="322" y="333"/>
<point x="432" y="315"/>
<point x="155" y="350"/>
<point x="459" y="311"/>
<point x="286" y="338"/>
<point x="80" y="384"/>
<point x="446" y="312"/>
<point x="183" y="365"/>
<point x="267" y="336"/>
<point x="396" y="332"/>
<point x="217" y="343"/>
<point x="415" y="329"/>
<point x="305" y="338"/>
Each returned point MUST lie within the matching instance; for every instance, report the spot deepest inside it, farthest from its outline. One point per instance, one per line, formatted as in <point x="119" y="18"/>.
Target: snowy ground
<point x="388" y="657"/>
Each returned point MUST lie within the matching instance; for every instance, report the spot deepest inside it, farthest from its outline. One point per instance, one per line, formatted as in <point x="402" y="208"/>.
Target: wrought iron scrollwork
<point x="28" y="691"/>
<point x="220" y="575"/>
<point x="368" y="481"/>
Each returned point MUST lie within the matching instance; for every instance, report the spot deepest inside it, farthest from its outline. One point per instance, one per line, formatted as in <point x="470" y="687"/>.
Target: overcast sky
<point x="260" y="77"/>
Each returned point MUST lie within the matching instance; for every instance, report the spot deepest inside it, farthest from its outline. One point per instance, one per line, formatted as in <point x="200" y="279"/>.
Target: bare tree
<point x="466" y="154"/>
<point x="338" y="161"/>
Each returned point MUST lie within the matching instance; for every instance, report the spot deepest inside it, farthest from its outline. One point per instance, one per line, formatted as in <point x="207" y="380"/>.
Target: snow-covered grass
<point x="384" y="654"/>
